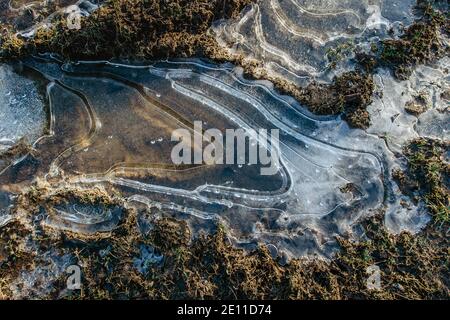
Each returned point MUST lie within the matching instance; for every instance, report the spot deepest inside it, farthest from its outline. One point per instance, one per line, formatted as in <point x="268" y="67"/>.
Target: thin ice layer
<point x="329" y="176"/>
<point x="22" y="108"/>
<point x="293" y="37"/>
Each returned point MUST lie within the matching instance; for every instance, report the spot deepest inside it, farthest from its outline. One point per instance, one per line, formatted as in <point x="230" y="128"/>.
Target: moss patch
<point x="349" y="94"/>
<point x="427" y="177"/>
<point x="420" y="43"/>
<point x="14" y="258"/>
<point x="132" y="28"/>
<point x="209" y="267"/>
<point x="411" y="267"/>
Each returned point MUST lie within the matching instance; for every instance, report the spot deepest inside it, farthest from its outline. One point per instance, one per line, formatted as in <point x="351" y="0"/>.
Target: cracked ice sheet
<point x="389" y="117"/>
<point x="391" y="122"/>
<point x="292" y="37"/>
<point x="124" y="131"/>
<point x="22" y="109"/>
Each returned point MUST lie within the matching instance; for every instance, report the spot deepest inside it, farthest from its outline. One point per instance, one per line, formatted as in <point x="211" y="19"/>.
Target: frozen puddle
<point x="112" y="124"/>
<point x="293" y="37"/>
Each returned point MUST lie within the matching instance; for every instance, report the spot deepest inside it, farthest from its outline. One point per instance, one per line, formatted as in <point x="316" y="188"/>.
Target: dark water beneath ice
<point x="111" y="125"/>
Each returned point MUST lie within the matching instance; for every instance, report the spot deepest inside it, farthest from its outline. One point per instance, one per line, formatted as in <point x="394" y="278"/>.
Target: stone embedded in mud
<point x="414" y="108"/>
